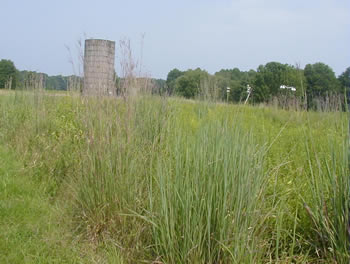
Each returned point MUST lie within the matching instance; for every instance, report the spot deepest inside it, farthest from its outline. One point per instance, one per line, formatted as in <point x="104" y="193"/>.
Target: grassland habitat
<point x="150" y="179"/>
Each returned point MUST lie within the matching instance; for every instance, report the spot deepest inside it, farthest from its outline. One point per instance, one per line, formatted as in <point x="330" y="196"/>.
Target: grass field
<point x="164" y="180"/>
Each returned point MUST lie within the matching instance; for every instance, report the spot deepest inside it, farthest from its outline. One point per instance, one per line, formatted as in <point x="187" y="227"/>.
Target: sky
<point x="43" y="35"/>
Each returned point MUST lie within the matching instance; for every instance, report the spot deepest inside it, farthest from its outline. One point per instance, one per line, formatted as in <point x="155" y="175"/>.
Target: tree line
<point x="272" y="80"/>
<point x="12" y="78"/>
<point x="269" y="81"/>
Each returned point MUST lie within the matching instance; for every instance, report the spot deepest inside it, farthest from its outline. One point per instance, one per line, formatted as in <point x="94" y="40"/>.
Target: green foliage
<point x="344" y="79"/>
<point x="188" y="85"/>
<point x="270" y="77"/>
<point x="8" y="74"/>
<point x="315" y="82"/>
<point x="58" y="83"/>
<point x="237" y="81"/>
<point x="25" y="76"/>
<point x="159" y="87"/>
<point x="320" y="80"/>
<point x="171" y="78"/>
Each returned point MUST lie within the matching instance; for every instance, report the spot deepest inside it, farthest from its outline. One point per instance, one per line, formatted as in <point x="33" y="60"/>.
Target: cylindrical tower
<point x="99" y="67"/>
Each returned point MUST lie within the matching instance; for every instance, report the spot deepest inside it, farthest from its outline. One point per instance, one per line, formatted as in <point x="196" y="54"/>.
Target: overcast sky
<point x="210" y="34"/>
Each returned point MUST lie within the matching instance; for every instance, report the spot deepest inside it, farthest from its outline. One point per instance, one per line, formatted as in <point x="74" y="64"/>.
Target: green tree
<point x="261" y="91"/>
<point x="8" y="72"/>
<point x="171" y="78"/>
<point x="30" y="79"/>
<point x="222" y="81"/>
<point x="58" y="82"/>
<point x="270" y="77"/>
<point x="320" y="80"/>
<point x="158" y="86"/>
<point x="344" y="79"/>
<point x="189" y="84"/>
<point x="237" y="81"/>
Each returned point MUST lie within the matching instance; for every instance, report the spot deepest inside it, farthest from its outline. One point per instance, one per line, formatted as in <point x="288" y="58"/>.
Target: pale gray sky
<point x="179" y="34"/>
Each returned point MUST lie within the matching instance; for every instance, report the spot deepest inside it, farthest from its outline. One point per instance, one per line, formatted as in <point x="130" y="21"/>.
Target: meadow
<point x="165" y="180"/>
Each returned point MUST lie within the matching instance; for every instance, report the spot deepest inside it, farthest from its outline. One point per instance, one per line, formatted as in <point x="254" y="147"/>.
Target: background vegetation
<point x="314" y="84"/>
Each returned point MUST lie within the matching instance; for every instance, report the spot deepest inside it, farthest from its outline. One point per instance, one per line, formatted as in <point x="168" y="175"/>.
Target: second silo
<point x="99" y="67"/>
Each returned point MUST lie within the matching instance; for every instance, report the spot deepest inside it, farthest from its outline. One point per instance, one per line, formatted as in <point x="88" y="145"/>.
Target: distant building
<point x="99" y="67"/>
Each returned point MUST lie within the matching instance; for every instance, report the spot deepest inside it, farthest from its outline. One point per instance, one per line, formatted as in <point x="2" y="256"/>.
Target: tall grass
<point x="329" y="185"/>
<point x="209" y="206"/>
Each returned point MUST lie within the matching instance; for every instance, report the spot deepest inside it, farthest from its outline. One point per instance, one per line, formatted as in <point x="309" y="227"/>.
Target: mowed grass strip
<point x="30" y="231"/>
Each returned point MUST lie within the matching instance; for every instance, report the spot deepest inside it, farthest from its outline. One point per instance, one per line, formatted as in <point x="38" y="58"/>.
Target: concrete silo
<point x="99" y="67"/>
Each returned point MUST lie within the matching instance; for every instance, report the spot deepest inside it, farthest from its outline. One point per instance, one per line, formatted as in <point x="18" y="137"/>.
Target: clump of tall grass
<point x="329" y="185"/>
<point x="120" y="140"/>
<point x="207" y="195"/>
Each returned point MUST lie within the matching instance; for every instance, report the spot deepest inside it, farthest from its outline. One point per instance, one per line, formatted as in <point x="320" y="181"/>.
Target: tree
<point x="261" y="91"/>
<point x="58" y="82"/>
<point x="320" y="80"/>
<point x="320" y="83"/>
<point x="189" y="84"/>
<point x="237" y="81"/>
<point x="271" y="76"/>
<point x="158" y="86"/>
<point x="8" y="74"/>
<point x="344" y="79"/>
<point x="171" y="78"/>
